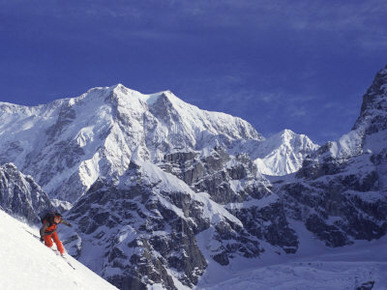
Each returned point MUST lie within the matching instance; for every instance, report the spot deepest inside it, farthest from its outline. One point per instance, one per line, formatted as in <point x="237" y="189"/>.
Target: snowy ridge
<point x="76" y="140"/>
<point x="368" y="135"/>
<point x="26" y="263"/>
<point x="67" y="144"/>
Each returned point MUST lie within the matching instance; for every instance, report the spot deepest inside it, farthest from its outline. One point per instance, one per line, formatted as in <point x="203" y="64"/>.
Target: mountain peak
<point x="285" y="134"/>
<point x="375" y="99"/>
<point x="373" y="114"/>
<point x="119" y="91"/>
<point x="103" y="128"/>
<point x="120" y="88"/>
<point x="283" y="153"/>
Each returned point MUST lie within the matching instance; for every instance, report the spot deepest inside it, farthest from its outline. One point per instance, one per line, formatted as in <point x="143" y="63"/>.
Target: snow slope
<point x="25" y="263"/>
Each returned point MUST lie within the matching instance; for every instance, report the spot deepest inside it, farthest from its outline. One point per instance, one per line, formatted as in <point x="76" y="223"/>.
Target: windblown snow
<point x="25" y="263"/>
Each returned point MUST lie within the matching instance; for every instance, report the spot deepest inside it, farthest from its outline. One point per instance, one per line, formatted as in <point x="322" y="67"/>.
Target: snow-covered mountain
<point x="165" y="193"/>
<point x="367" y="138"/>
<point x="25" y="263"/>
<point x="72" y="146"/>
<point x="340" y="192"/>
<point x="282" y="153"/>
<point x="66" y="145"/>
<point x="143" y="226"/>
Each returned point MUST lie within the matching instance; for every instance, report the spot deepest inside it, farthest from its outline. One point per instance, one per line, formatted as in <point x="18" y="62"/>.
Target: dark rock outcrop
<point x="20" y="196"/>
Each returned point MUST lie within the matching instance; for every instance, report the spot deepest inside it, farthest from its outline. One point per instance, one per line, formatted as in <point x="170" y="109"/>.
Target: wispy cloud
<point x="364" y="20"/>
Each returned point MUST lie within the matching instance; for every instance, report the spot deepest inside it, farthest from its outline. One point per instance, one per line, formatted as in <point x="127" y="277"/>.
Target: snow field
<point x="25" y="263"/>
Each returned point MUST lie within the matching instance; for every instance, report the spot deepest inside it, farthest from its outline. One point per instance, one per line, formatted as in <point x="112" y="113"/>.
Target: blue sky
<point x="300" y="65"/>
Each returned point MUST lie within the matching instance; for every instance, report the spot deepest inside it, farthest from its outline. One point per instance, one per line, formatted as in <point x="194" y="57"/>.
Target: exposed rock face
<point x="236" y="183"/>
<point x="373" y="110"/>
<point x="20" y="195"/>
<point x="148" y="229"/>
<point x="151" y="219"/>
<point x="368" y="136"/>
<point x="341" y="192"/>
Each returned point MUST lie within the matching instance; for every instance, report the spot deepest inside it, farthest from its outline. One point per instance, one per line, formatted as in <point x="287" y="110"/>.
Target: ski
<point x="54" y="250"/>
<point x="32" y="234"/>
<point x="63" y="257"/>
<point x="67" y="261"/>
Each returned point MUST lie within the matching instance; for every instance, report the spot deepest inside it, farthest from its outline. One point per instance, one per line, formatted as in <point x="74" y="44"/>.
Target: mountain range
<point x="161" y="192"/>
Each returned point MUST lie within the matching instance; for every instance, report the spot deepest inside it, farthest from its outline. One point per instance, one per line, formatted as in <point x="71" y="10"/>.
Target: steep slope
<point x="142" y="228"/>
<point x="368" y="136"/>
<point x="66" y="145"/>
<point x="26" y="263"/>
<point x="340" y="193"/>
<point x="20" y="195"/>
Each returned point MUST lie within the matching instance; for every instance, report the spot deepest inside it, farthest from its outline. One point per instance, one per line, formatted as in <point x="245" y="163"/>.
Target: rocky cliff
<point x="21" y="196"/>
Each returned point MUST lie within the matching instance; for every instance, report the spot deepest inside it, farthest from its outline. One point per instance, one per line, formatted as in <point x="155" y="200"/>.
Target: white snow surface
<point x="282" y="153"/>
<point x="26" y="263"/>
<point x="76" y="140"/>
<point x="99" y="132"/>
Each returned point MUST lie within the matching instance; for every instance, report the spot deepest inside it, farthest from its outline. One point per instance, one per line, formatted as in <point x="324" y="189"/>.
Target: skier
<point x="48" y="230"/>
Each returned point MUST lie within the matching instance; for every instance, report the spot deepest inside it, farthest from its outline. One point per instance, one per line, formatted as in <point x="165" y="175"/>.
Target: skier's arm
<point x="62" y="221"/>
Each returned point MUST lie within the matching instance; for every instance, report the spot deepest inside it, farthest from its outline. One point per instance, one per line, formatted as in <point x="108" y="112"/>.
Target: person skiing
<point x="48" y="230"/>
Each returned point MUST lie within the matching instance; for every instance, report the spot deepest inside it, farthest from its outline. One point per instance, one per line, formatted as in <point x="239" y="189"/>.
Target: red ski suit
<point x="48" y="233"/>
<point x="54" y="236"/>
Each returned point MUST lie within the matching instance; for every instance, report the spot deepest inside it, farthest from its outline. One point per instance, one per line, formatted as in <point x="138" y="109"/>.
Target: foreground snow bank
<point x="25" y="263"/>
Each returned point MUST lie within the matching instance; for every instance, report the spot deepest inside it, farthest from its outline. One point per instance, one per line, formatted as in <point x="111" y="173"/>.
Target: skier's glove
<point x="41" y="239"/>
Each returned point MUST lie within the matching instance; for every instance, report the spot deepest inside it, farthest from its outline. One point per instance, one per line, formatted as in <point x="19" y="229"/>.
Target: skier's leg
<point x="47" y="240"/>
<point x="58" y="242"/>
